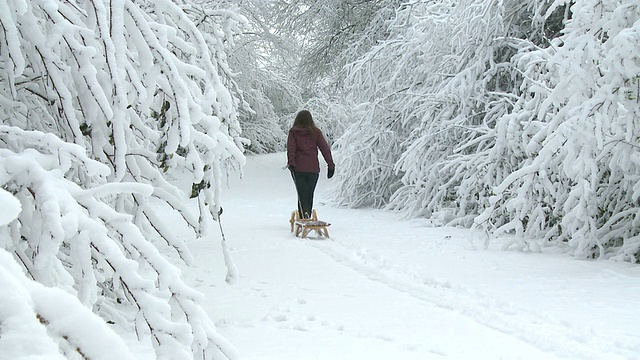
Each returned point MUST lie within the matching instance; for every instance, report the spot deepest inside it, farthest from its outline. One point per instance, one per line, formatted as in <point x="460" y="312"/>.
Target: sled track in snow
<point x="538" y="330"/>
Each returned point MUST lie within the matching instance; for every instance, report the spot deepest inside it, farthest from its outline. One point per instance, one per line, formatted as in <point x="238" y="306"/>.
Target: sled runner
<point x="304" y="226"/>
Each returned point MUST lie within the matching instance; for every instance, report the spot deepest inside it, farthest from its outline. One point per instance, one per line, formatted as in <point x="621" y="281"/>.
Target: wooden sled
<point x="304" y="226"/>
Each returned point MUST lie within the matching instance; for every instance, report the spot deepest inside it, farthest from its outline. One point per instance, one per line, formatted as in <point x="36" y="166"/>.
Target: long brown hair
<point x="305" y="120"/>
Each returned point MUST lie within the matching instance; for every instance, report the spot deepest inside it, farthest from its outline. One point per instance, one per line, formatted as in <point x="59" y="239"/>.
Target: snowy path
<point x="385" y="288"/>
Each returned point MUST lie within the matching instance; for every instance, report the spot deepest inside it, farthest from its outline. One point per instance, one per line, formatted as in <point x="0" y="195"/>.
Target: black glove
<point x="330" y="173"/>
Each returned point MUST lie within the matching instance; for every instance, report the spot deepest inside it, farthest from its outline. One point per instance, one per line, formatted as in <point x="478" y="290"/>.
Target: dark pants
<point x="305" y="186"/>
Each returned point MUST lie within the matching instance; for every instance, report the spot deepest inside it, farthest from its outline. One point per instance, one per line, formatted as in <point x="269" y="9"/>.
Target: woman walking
<point x="302" y="159"/>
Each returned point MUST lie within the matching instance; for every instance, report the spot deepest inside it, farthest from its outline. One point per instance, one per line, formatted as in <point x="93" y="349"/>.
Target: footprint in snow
<point x="280" y="318"/>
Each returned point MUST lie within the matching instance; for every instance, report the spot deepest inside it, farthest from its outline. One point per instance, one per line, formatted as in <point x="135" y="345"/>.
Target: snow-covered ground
<point x="387" y="288"/>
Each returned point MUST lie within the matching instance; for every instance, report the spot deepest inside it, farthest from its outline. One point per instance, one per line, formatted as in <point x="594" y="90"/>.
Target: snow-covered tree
<point x="303" y="46"/>
<point x="427" y="89"/>
<point x="468" y="81"/>
<point x="104" y="105"/>
<point x="331" y="33"/>
<point x="35" y="318"/>
<point x="576" y="126"/>
<point x="265" y="63"/>
<point x="518" y="117"/>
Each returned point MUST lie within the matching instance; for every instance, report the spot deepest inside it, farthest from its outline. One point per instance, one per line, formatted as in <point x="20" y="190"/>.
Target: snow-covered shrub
<point x="261" y="75"/>
<point x="249" y="79"/>
<point x="46" y="322"/>
<point x="365" y="157"/>
<point x="578" y="123"/>
<point x="525" y="113"/>
<point x="102" y="106"/>
<point x="432" y="87"/>
<point x="464" y="81"/>
<point x="260" y="125"/>
<point x="49" y="323"/>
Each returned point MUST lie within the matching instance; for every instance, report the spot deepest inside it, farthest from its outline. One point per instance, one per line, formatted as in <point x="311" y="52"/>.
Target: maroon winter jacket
<point x="302" y="150"/>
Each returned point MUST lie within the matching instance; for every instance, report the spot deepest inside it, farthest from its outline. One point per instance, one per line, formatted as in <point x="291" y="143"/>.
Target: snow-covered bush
<point x="49" y="323"/>
<point x="577" y="123"/>
<point x="46" y="322"/>
<point x="365" y="157"/>
<point x="102" y="105"/>
<point x="517" y="117"/>
<point x="263" y="64"/>
<point x="431" y="88"/>
<point x="466" y="82"/>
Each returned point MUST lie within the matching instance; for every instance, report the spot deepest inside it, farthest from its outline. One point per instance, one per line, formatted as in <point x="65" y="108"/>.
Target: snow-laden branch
<point x="492" y="121"/>
<point x="576" y="184"/>
<point x="45" y="322"/>
<point x="80" y="243"/>
<point x="104" y="105"/>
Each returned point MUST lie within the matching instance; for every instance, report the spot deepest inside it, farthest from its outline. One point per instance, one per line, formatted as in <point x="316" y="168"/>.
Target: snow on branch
<point x="45" y="322"/>
<point x="577" y="184"/>
<point x="81" y="244"/>
<point x="434" y="84"/>
<point x="519" y="118"/>
<point x="104" y="106"/>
